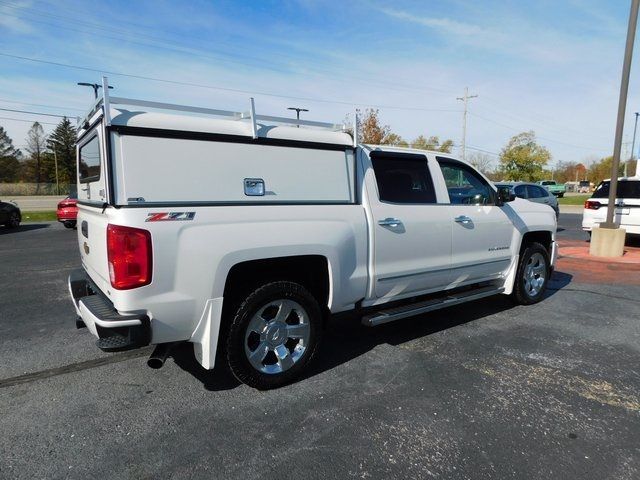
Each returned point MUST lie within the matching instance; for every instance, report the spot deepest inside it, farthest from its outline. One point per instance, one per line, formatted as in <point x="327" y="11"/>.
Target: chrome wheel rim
<point x="535" y="273"/>
<point x="277" y="336"/>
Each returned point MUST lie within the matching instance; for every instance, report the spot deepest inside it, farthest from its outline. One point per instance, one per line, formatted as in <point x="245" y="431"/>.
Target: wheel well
<point x="541" y="237"/>
<point x="310" y="271"/>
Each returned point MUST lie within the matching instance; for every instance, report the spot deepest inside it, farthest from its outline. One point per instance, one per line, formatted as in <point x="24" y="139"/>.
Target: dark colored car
<point x="533" y="193"/>
<point x="68" y="211"/>
<point x="10" y="215"/>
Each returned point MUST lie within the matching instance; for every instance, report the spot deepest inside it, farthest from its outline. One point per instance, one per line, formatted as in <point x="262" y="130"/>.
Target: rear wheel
<point x="70" y="223"/>
<point x="14" y="220"/>
<point x="274" y="335"/>
<point x="532" y="275"/>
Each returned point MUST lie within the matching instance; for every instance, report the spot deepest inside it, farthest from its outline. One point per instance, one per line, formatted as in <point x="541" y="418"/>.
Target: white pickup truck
<point x="242" y="233"/>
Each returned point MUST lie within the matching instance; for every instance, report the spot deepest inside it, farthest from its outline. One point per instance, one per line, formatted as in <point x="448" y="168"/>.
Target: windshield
<point x="548" y="183"/>
<point x="626" y="189"/>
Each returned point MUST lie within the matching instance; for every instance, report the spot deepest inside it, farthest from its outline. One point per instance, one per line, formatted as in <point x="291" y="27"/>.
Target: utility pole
<point x="465" y="100"/>
<point x="633" y="144"/>
<point x="55" y="159"/>
<point x="298" y="110"/>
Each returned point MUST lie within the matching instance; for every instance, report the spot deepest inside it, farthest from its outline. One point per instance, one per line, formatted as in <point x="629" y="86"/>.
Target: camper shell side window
<point x="89" y="161"/>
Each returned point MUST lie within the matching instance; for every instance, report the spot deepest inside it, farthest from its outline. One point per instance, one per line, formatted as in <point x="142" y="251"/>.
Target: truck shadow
<point x="345" y="338"/>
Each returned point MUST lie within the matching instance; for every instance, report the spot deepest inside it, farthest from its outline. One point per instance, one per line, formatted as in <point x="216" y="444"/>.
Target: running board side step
<point x="385" y="316"/>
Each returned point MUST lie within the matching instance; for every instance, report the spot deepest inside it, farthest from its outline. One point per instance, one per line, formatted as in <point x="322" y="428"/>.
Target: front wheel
<point x="274" y="335"/>
<point x="14" y="220"/>
<point x="532" y="275"/>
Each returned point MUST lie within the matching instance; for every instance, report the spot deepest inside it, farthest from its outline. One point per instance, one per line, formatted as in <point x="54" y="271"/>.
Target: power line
<point x="36" y="113"/>
<point x="534" y="117"/>
<point x="28" y="121"/>
<point x="40" y="105"/>
<point x="532" y="120"/>
<point x="225" y="89"/>
<point x="483" y="150"/>
<point x="264" y="63"/>
<point x="539" y="136"/>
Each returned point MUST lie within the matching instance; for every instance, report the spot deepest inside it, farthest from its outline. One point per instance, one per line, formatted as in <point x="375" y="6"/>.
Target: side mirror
<point x="505" y="195"/>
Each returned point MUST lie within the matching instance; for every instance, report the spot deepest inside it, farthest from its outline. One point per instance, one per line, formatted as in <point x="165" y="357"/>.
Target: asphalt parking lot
<point x="483" y="390"/>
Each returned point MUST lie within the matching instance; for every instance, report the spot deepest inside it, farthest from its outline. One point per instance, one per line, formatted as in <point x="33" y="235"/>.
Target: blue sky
<point x="549" y="66"/>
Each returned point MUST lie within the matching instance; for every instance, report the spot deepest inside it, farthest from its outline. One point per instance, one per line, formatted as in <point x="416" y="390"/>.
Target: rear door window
<point x="89" y="163"/>
<point x="403" y="178"/>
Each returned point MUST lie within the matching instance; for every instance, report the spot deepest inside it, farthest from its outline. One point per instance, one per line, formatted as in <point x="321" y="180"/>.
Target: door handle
<point x="462" y="219"/>
<point x="390" y="222"/>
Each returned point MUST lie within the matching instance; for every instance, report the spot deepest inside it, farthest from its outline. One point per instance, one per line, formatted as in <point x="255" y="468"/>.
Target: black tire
<point x="240" y="336"/>
<point x="14" y="220"/>
<point x="70" y="224"/>
<point x="532" y="255"/>
<point x="561" y="195"/>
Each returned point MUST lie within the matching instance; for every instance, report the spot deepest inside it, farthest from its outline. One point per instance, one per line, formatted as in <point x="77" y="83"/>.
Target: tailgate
<point x="92" y="197"/>
<point x="92" y="239"/>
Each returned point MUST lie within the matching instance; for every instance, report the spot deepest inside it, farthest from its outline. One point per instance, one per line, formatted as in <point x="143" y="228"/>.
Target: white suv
<point x="627" y="213"/>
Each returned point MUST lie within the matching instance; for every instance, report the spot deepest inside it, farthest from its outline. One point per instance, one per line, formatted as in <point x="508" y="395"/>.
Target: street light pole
<point x="95" y="87"/>
<point x="633" y="144"/>
<point x="622" y="104"/>
<point x="298" y="110"/>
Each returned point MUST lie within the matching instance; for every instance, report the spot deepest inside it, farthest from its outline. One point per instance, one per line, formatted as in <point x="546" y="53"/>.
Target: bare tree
<point x="481" y="161"/>
<point x="36" y="146"/>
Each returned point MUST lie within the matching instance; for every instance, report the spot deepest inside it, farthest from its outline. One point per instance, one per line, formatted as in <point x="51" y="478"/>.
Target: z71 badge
<point x="170" y="216"/>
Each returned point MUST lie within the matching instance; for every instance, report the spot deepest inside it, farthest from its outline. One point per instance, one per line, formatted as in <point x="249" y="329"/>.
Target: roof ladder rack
<point x="106" y="102"/>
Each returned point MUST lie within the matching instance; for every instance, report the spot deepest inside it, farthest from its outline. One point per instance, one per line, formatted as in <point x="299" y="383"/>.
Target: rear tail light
<point x="592" y="205"/>
<point x="129" y="255"/>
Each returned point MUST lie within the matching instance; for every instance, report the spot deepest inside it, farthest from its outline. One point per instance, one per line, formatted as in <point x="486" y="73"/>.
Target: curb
<point x="580" y="251"/>
<point x="571" y="208"/>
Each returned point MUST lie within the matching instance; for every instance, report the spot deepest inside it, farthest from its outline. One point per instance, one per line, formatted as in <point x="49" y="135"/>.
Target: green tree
<point x="602" y="169"/>
<point x="9" y="158"/>
<point x="394" y="139"/>
<point x="36" y="146"/>
<point x="523" y="159"/>
<point x="62" y="144"/>
<point x="432" y="143"/>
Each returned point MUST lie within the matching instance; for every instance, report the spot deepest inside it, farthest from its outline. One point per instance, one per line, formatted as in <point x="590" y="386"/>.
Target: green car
<point x="558" y="189"/>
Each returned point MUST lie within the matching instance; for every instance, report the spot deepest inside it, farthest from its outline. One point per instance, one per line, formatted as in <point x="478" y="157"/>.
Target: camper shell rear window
<point x="89" y="161"/>
<point x="626" y="189"/>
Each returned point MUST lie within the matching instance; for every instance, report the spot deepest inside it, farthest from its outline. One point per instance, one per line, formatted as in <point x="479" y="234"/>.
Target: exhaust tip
<point x="155" y="363"/>
<point x="159" y="355"/>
